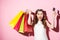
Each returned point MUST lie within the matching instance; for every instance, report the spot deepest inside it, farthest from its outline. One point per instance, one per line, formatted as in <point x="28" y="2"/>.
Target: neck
<point x="39" y="20"/>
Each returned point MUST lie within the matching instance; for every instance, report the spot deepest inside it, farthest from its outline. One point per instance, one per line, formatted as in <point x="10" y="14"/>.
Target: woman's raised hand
<point x="54" y="12"/>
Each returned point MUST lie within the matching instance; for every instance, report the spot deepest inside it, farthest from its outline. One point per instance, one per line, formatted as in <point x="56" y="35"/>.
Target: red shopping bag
<point x="17" y="26"/>
<point x="27" y="28"/>
<point x="25" y="23"/>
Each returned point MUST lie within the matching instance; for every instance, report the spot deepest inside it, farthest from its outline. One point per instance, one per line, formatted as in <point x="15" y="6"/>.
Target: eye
<point x="41" y="13"/>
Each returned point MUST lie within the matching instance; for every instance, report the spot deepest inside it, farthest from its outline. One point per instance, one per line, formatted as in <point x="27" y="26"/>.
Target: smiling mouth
<point x="40" y="18"/>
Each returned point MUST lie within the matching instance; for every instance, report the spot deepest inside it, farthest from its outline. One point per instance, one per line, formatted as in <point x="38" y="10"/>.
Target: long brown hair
<point x="43" y="19"/>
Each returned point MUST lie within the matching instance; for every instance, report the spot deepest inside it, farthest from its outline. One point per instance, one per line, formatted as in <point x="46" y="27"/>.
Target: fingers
<point x="54" y="12"/>
<point x="28" y="11"/>
<point x="53" y="9"/>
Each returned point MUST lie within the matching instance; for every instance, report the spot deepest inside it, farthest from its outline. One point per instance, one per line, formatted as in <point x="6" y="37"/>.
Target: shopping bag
<point x="21" y="29"/>
<point x="24" y="27"/>
<point x="27" y="28"/>
<point x="17" y="26"/>
<point x="25" y="23"/>
<point x="15" y="19"/>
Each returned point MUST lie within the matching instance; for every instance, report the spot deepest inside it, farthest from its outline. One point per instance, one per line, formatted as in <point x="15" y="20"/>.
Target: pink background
<point x="9" y="8"/>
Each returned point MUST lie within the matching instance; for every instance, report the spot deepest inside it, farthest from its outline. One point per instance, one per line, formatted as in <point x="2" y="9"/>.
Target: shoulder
<point x="35" y="25"/>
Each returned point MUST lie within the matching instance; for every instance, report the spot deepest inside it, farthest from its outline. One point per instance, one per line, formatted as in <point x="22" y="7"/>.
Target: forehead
<point x="40" y="12"/>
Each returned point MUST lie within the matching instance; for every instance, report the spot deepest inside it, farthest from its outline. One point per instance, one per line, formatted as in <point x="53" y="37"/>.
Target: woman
<point x="40" y="24"/>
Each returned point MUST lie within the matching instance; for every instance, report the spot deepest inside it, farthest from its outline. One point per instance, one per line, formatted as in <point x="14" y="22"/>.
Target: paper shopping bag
<point x="25" y="23"/>
<point x="17" y="26"/>
<point x="15" y="19"/>
<point x="27" y="28"/>
<point x="21" y="29"/>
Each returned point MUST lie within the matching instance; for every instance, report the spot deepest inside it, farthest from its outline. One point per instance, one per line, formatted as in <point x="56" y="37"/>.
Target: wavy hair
<point x="43" y="19"/>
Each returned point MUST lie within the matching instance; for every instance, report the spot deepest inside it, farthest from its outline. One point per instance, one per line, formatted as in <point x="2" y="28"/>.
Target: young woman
<point x="40" y="24"/>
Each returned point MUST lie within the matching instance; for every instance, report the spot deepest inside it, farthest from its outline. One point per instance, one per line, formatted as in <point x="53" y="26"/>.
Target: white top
<point x="40" y="31"/>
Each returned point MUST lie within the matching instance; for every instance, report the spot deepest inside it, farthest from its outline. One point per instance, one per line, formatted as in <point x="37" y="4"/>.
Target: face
<point x="39" y="15"/>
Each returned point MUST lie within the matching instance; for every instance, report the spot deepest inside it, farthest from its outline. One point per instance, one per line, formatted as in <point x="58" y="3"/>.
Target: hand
<point x="54" y="12"/>
<point x="28" y="11"/>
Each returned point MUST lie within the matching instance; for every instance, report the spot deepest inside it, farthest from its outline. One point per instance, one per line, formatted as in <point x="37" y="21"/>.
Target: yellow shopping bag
<point x="15" y="19"/>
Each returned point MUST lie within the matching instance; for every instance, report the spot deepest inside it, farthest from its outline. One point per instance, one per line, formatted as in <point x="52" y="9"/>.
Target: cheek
<point x="38" y="16"/>
<point x="41" y="16"/>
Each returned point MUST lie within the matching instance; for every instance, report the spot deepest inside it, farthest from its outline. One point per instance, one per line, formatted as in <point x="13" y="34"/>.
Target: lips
<point x="40" y="17"/>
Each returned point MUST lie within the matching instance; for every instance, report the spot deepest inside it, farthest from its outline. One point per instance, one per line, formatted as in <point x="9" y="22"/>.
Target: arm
<point x="29" y="17"/>
<point x="29" y="20"/>
<point x="52" y="25"/>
